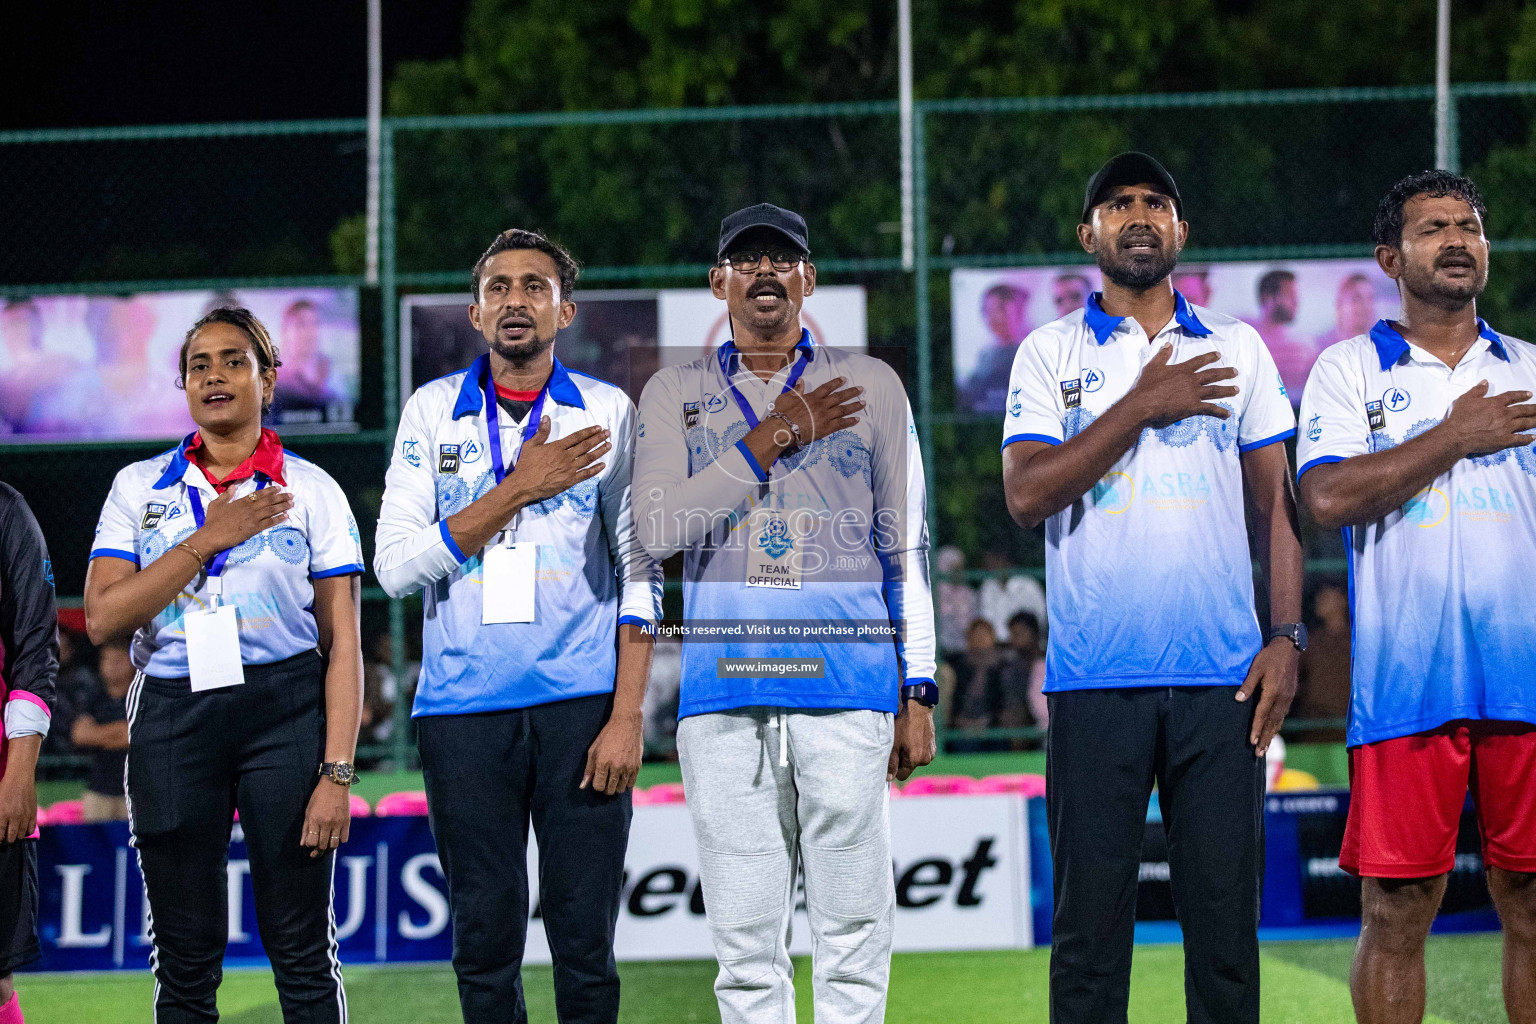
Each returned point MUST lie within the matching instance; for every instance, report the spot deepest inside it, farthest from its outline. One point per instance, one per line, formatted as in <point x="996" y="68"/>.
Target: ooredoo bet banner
<point x="961" y="871"/>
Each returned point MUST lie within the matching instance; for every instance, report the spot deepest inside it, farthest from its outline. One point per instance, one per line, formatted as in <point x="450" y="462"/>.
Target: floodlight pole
<point x="904" y="104"/>
<point x="375" y="135"/>
<point x="1444" y="158"/>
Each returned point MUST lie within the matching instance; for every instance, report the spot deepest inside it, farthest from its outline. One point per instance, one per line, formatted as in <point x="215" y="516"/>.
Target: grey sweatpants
<point x="755" y="820"/>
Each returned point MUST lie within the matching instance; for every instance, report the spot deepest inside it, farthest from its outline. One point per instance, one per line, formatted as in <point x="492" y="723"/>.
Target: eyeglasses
<point x="751" y="259"/>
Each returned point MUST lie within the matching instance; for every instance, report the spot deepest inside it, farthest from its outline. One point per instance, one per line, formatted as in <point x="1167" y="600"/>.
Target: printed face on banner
<point x="1299" y="308"/>
<point x="83" y="367"/>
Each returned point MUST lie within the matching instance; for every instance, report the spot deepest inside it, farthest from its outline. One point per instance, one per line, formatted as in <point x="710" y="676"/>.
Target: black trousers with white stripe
<point x="193" y="758"/>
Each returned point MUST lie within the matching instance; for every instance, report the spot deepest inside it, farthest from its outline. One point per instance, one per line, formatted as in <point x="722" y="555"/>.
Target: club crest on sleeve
<point x="153" y="513"/>
<point x="447" y="458"/>
<point x="690" y="415"/>
<point x="1375" y="416"/>
<point x="1315" y="428"/>
<point x="409" y="452"/>
<point x="1072" y="393"/>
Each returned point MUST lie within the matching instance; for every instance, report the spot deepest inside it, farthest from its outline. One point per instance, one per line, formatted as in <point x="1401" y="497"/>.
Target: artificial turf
<point x="1304" y="983"/>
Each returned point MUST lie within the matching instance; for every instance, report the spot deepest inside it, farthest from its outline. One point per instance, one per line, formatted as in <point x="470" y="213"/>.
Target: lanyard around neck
<point x="216" y="566"/>
<point x="493" y="425"/>
<point x="789" y="385"/>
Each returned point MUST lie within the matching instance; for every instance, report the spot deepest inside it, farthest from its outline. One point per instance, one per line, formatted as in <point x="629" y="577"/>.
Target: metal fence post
<point x="389" y="298"/>
<point x="924" y="337"/>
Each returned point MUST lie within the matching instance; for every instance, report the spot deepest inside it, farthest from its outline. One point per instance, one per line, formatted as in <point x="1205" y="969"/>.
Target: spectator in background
<point x="1354" y="310"/>
<point x="380" y="692"/>
<point x="1005" y="309"/>
<point x="965" y="683"/>
<point x="1323" y="690"/>
<point x="77" y="685"/>
<point x="957" y="600"/>
<point x="1019" y="677"/>
<point x="1278" y="304"/>
<point x="659" y="710"/>
<point x="1194" y="283"/>
<point x="1003" y="598"/>
<point x="1070" y="292"/>
<point x="100" y="729"/>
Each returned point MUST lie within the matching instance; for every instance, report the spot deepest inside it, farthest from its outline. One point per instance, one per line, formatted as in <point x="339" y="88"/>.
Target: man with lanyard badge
<point x="507" y="504"/>
<point x="1134" y="427"/>
<point x="1417" y="444"/>
<point x="789" y="475"/>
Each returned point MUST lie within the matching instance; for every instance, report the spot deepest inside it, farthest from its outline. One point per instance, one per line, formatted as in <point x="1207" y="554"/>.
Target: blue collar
<point x="728" y="352"/>
<point x="471" y="392"/>
<point x="1391" y="346"/>
<point x="178" y="467"/>
<point x="1103" y="325"/>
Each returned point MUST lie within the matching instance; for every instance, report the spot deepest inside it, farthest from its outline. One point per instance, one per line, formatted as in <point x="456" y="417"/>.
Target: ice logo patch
<point x="776" y="540"/>
<point x="153" y="513"/>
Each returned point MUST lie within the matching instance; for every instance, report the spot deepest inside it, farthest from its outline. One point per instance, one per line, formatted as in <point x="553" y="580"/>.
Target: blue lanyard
<point x="216" y="566"/>
<point x="789" y="385"/>
<point x="493" y="423"/>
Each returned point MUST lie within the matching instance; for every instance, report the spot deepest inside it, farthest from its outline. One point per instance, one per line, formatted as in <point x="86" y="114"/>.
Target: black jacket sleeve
<point x="29" y="619"/>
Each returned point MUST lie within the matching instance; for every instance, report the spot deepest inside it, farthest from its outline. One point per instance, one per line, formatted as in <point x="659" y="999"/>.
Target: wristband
<point x="793" y="429"/>
<point x="201" y="561"/>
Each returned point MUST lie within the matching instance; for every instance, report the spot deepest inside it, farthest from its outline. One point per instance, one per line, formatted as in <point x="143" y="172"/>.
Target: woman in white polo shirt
<point x="235" y="566"/>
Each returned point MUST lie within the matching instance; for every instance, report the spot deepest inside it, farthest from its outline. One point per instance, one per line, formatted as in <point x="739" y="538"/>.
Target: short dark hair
<point x="1269" y="284"/>
<point x="235" y="316"/>
<point x="1388" y="226"/>
<point x="517" y="238"/>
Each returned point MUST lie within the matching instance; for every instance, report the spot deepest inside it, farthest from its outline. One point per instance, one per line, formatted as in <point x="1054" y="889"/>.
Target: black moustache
<point x="753" y="293"/>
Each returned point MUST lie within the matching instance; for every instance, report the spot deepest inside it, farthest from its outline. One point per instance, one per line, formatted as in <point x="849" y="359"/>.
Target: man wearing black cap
<point x="788" y="474"/>
<point x="1133" y="427"/>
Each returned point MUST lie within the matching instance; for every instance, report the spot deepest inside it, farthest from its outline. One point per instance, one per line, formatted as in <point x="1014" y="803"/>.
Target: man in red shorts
<point x="1414" y="441"/>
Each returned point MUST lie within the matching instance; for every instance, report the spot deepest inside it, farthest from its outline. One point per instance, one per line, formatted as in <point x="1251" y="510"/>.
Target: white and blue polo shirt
<point x="1149" y="577"/>
<point x="1442" y="630"/>
<point x="269" y="578"/>
<point x="860" y="503"/>
<point x="592" y="572"/>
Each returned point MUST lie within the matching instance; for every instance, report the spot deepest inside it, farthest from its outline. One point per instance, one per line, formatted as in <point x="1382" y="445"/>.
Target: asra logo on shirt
<point x="1114" y="493"/>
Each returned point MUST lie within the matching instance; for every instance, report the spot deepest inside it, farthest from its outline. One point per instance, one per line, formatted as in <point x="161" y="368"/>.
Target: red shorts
<point x="1406" y="797"/>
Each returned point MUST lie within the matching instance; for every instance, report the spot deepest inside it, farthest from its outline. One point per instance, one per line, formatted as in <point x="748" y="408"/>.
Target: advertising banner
<point x="1299" y="308"/>
<point x="961" y="873"/>
<point x="87" y="367"/>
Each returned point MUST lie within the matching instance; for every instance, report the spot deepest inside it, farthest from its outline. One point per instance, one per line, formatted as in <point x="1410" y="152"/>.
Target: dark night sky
<point x="111" y="62"/>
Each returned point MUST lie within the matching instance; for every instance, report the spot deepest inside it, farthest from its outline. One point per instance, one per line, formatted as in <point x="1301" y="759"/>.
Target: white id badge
<point x="213" y="648"/>
<point x="773" y="553"/>
<point x="508" y="576"/>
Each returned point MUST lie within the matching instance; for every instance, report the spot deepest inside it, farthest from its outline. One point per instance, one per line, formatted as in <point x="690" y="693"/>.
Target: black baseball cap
<point x="1129" y="169"/>
<point x="764" y="215"/>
